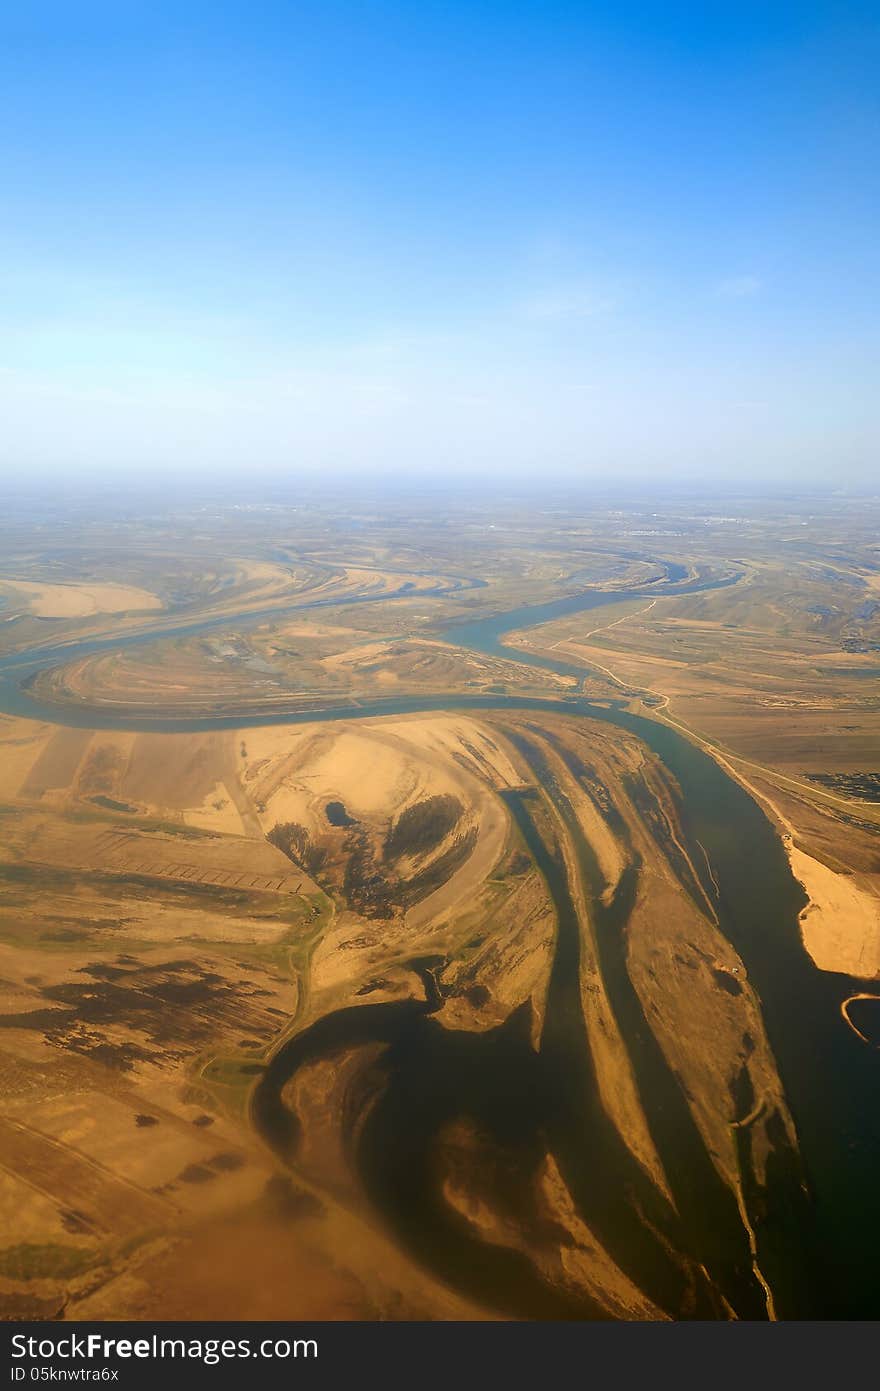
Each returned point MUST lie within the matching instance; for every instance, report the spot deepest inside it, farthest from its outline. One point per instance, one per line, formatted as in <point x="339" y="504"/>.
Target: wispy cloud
<point x="739" y="287"/>
<point x="561" y="302"/>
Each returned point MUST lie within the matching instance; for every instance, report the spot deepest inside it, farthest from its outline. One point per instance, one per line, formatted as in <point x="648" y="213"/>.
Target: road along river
<point x="817" y="1223"/>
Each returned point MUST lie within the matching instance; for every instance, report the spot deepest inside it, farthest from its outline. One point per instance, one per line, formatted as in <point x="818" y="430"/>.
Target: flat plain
<point x="437" y="912"/>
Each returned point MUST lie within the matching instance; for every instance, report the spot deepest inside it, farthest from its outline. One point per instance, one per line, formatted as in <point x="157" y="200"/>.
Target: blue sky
<point x="588" y="240"/>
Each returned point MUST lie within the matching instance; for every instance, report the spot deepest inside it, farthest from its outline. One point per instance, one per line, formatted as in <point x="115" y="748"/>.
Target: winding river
<point x="816" y="1224"/>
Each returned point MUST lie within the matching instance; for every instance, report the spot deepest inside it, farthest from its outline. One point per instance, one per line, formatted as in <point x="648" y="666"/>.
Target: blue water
<point x="817" y="1222"/>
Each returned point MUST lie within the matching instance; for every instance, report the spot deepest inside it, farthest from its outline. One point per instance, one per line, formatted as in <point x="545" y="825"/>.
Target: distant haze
<point x="569" y="241"/>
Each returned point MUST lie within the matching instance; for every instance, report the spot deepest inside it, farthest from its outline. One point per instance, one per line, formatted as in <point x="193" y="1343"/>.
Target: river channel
<point x="817" y="1222"/>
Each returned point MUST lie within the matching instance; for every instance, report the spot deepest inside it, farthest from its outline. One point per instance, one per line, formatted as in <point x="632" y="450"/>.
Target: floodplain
<point x="439" y="913"/>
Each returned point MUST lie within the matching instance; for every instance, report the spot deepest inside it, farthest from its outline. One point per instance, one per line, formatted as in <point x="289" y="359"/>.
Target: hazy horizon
<point x="578" y="244"/>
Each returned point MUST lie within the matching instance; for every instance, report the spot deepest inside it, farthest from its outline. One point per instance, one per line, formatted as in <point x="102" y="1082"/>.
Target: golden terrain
<point x="762" y="676"/>
<point x="35" y="610"/>
<point x="284" y="667"/>
<point x="160" y="964"/>
<point x="78" y="600"/>
<point x="176" y="907"/>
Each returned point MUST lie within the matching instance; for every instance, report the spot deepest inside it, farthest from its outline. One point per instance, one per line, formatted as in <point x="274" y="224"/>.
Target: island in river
<point x="444" y="921"/>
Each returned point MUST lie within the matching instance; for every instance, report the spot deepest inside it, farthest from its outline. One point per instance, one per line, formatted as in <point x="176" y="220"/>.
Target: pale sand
<point x="374" y="767"/>
<point x="490" y="819"/>
<point x="342" y="764"/>
<point x="30" y="1217"/>
<point x="81" y="600"/>
<point x="603" y="842"/>
<point x="379" y="768"/>
<point x="617" y="1084"/>
<point x="360" y="578"/>
<point x="152" y="920"/>
<point x="302" y="628"/>
<point x="841" y="923"/>
<point x="217" y="812"/>
<point x="453" y="736"/>
<point x="441" y="744"/>
<point x="21" y="743"/>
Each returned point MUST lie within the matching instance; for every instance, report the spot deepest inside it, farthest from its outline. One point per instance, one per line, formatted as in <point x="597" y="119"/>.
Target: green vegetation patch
<point x="33" y="1262"/>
